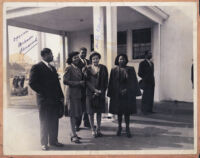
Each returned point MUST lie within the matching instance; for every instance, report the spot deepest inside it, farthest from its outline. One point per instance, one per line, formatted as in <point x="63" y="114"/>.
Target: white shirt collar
<point x="149" y="61"/>
<point x="47" y="64"/>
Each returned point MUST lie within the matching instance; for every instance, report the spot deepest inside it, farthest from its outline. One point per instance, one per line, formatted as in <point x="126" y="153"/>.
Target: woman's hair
<point x="83" y="49"/>
<point x="117" y="59"/>
<point x="94" y="53"/>
<point x="71" y="55"/>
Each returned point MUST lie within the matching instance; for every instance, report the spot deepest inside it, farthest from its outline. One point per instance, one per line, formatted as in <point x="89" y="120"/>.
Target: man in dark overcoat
<point x="146" y="72"/>
<point x="45" y="82"/>
<point x="83" y="63"/>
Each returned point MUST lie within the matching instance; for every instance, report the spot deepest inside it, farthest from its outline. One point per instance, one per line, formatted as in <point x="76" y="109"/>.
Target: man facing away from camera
<point x="146" y="72"/>
<point x="45" y="82"/>
<point x="82" y="64"/>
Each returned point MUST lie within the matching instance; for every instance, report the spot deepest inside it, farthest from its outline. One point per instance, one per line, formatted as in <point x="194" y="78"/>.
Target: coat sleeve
<point x="34" y="80"/>
<point x="110" y="84"/>
<point x="105" y="78"/>
<point x="67" y="79"/>
<point x="141" y="70"/>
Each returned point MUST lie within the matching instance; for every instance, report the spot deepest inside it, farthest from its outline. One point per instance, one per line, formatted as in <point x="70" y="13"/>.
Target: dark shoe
<point x="128" y="133"/>
<point x="144" y="113"/>
<point x="57" y="144"/>
<point x="78" y="137"/>
<point x="75" y="139"/>
<point x="87" y="125"/>
<point x="45" y="147"/>
<point x="119" y="131"/>
<point x="99" y="134"/>
<point x="77" y="129"/>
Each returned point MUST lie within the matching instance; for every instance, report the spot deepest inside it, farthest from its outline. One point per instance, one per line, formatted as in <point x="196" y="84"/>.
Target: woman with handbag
<point x="122" y="89"/>
<point x="73" y="78"/>
<point x="96" y="76"/>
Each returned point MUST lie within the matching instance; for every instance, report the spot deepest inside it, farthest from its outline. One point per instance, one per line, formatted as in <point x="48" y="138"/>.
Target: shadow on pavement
<point x="150" y="138"/>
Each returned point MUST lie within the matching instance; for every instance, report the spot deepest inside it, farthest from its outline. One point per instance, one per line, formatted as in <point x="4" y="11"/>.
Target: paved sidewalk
<point x="164" y="130"/>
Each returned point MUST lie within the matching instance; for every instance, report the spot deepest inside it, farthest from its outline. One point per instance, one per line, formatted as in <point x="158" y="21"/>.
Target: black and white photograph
<point x="99" y="78"/>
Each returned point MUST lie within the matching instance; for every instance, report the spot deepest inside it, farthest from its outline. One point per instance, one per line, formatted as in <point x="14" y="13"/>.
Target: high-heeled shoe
<point x="119" y="131"/>
<point x="78" y="137"/>
<point x="75" y="139"/>
<point x="94" y="134"/>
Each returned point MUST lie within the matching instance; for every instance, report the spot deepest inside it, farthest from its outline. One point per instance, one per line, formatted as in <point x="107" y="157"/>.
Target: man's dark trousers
<point x="48" y="116"/>
<point x="147" y="99"/>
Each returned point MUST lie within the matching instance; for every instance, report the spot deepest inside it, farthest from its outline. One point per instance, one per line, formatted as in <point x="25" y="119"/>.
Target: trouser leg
<point x="151" y="99"/>
<point x="144" y="106"/>
<point x="43" y="126"/>
<point x="53" y="125"/>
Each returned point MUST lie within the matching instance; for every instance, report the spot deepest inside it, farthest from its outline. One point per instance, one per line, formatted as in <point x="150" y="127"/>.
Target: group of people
<point x="18" y="86"/>
<point x="18" y="81"/>
<point x="87" y="84"/>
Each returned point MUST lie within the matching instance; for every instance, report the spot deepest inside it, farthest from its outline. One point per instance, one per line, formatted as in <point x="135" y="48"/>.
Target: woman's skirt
<point x="75" y="107"/>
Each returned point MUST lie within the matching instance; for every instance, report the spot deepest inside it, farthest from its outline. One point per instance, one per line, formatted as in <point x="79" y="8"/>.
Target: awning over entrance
<point x="69" y="19"/>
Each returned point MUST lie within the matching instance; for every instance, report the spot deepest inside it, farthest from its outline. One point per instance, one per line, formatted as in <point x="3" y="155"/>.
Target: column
<point x="156" y="59"/>
<point x="111" y="20"/>
<point x="6" y="76"/>
<point x="98" y="29"/>
<point x="62" y="54"/>
<point x="129" y="44"/>
<point x="41" y="43"/>
<point x="63" y="57"/>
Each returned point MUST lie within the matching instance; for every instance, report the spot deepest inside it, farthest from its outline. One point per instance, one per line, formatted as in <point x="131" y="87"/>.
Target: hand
<point x="84" y="69"/>
<point x="82" y="83"/>
<point x="97" y="91"/>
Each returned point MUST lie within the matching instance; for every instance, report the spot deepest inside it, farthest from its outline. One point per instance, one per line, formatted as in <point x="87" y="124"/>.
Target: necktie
<point x="50" y="67"/>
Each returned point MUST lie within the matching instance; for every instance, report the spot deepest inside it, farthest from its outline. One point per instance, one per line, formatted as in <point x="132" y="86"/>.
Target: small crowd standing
<point x="87" y="85"/>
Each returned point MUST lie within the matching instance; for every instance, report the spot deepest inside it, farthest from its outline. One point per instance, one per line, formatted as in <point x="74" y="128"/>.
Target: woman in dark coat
<point x="96" y="80"/>
<point x="122" y="89"/>
<point x="73" y="78"/>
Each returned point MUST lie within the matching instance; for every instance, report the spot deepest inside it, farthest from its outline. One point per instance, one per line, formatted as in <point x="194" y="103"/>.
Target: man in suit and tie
<point x="146" y="72"/>
<point x="44" y="81"/>
<point x="83" y="63"/>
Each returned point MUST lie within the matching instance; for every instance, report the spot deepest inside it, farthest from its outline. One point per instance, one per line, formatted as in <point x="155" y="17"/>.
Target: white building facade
<point x="169" y="29"/>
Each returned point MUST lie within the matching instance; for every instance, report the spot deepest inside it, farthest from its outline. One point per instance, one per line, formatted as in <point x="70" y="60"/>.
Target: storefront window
<point x="23" y="53"/>
<point x="121" y="42"/>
